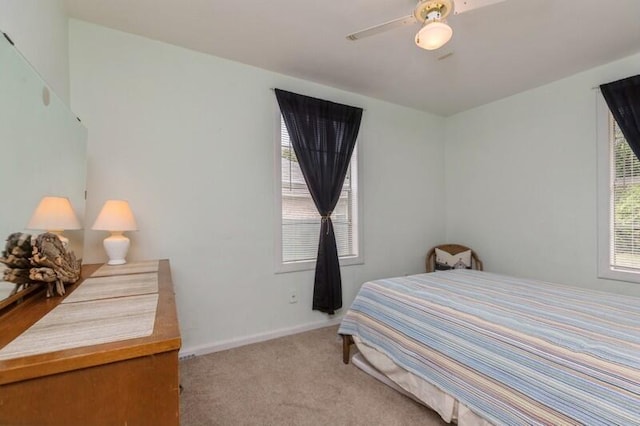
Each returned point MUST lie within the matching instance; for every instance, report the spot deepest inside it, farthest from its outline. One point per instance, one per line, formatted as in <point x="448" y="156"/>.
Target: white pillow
<point x="446" y="261"/>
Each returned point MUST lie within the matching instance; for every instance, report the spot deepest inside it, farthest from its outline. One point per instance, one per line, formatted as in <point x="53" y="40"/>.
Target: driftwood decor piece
<point x="16" y="256"/>
<point x="44" y="259"/>
<point x="53" y="263"/>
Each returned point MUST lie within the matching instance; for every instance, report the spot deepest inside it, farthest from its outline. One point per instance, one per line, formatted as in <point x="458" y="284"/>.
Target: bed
<point x="481" y="348"/>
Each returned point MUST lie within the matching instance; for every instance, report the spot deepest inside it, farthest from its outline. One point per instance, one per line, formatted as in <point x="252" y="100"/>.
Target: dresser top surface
<point x="165" y="336"/>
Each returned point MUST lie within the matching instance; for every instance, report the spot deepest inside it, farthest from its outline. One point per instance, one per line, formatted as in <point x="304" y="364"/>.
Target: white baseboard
<point x="261" y="337"/>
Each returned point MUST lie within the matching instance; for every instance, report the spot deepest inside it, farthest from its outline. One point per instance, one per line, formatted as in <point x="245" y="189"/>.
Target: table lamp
<point x="54" y="214"/>
<point x="116" y="217"/>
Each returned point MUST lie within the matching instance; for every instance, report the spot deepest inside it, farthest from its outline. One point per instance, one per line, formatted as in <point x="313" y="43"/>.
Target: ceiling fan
<point x="435" y="32"/>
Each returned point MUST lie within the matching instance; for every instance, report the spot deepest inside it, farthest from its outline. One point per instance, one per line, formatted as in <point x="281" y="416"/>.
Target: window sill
<point x="619" y="275"/>
<point x="310" y="265"/>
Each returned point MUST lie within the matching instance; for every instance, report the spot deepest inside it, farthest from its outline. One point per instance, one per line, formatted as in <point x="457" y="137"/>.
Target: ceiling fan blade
<point x="462" y="6"/>
<point x="380" y="28"/>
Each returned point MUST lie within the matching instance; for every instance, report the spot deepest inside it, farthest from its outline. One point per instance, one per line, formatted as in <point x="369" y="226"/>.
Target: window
<point x="299" y="220"/>
<point x="619" y="202"/>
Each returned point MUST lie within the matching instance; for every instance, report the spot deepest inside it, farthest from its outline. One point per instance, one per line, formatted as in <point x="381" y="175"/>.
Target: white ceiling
<point x="498" y="50"/>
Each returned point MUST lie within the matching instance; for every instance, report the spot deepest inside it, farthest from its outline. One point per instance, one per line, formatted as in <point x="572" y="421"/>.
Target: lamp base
<point x="116" y="245"/>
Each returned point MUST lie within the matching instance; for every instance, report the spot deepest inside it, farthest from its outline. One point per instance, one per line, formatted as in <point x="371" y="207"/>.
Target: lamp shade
<point x="54" y="214"/>
<point x="116" y="215"/>
<point x="434" y="35"/>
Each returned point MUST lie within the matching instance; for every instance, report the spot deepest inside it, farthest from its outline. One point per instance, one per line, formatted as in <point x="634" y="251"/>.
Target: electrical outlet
<point x="293" y="296"/>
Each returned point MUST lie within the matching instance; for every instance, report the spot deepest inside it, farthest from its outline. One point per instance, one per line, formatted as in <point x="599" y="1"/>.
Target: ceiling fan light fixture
<point x="433" y="35"/>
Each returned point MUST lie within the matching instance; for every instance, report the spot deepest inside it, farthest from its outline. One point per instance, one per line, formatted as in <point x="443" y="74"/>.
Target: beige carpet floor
<point x="294" y="380"/>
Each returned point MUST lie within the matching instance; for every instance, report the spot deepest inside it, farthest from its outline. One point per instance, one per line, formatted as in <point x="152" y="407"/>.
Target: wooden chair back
<point x="430" y="261"/>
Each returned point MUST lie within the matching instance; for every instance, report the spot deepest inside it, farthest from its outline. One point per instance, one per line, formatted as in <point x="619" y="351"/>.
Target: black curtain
<point x="323" y="135"/>
<point x="623" y="99"/>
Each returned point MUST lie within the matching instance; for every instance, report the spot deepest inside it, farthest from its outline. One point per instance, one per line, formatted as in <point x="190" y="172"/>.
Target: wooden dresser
<point x="128" y="382"/>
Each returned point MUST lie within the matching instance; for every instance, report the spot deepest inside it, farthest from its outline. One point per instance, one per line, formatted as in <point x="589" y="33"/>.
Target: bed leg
<point x="347" y="341"/>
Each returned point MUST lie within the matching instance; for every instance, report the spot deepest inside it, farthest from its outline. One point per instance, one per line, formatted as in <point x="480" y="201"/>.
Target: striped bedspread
<point x="515" y="351"/>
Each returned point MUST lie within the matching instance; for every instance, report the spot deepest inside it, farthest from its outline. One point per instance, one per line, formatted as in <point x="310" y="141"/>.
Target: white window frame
<point x="605" y="209"/>
<point x="356" y="167"/>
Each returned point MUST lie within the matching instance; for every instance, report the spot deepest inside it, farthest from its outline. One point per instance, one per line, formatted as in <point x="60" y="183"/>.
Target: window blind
<point x="300" y="218"/>
<point x="625" y="206"/>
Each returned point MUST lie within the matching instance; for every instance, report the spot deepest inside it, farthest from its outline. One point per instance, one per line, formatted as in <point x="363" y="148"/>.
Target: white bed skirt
<point x="384" y="369"/>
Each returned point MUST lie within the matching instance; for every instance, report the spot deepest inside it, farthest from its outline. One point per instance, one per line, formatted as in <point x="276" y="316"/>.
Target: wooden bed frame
<point x="347" y="341"/>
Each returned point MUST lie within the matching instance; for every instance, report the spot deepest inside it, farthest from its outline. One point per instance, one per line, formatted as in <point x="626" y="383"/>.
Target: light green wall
<point x="189" y="140"/>
<point x="188" y="137"/>
<point x="521" y="180"/>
